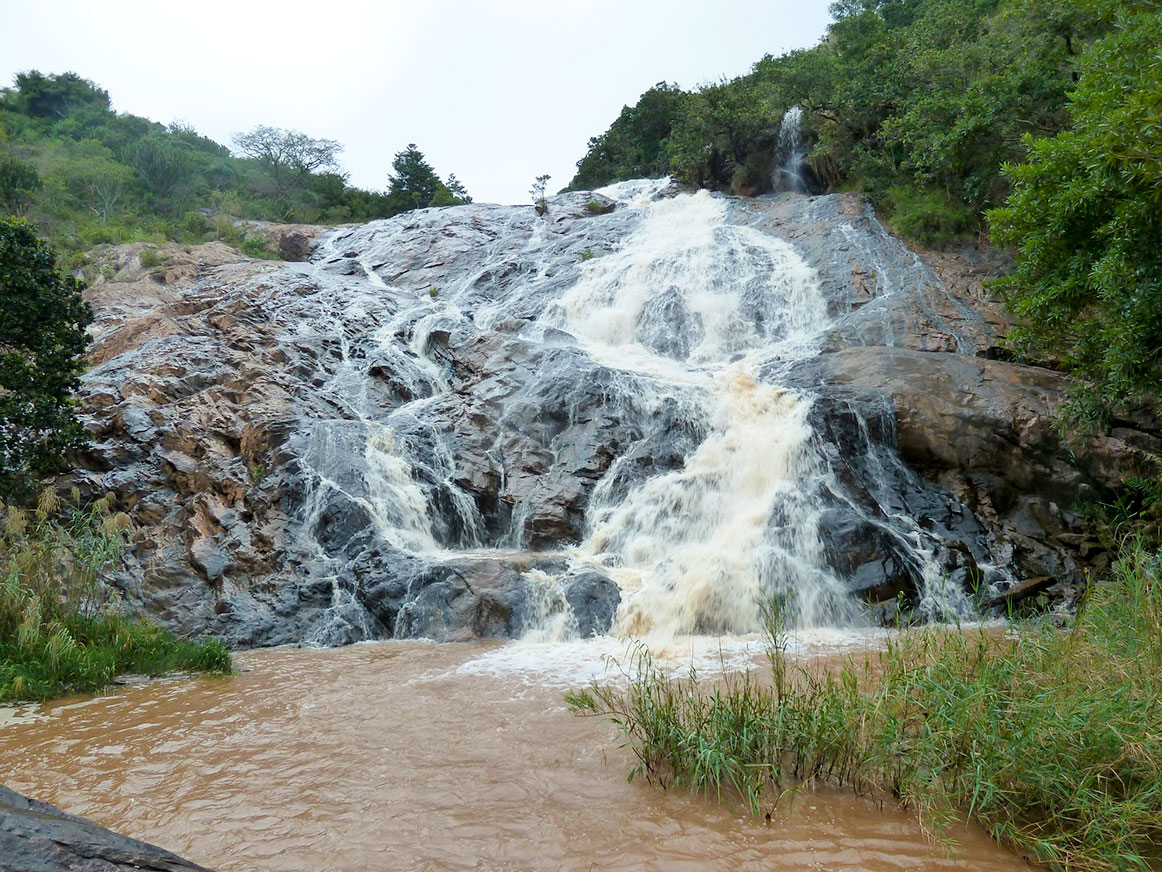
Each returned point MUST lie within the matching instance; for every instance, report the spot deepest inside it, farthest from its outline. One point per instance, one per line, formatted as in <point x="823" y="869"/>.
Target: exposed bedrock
<point x="434" y="426"/>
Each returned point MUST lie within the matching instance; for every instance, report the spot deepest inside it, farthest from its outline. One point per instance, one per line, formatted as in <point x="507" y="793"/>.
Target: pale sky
<point x="495" y="91"/>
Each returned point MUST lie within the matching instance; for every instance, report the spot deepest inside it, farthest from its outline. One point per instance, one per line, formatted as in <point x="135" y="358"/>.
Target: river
<point x="418" y="756"/>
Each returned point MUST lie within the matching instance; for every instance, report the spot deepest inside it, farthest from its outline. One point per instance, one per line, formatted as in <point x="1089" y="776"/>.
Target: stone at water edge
<point x="37" y="836"/>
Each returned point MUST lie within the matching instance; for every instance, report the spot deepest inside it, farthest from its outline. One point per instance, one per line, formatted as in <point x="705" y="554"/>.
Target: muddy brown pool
<point x="392" y="755"/>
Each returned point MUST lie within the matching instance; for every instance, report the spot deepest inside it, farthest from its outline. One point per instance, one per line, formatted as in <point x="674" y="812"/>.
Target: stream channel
<point x="413" y="755"/>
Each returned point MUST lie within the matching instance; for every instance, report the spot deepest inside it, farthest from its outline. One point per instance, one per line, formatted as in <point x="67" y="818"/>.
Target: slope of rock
<point x="405" y="435"/>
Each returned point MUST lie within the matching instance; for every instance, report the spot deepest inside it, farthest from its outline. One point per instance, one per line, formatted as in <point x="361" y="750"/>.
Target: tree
<point x="163" y="164"/>
<point x="537" y="192"/>
<point x="95" y="178"/>
<point x="18" y="183"/>
<point x="42" y="345"/>
<point x="458" y="191"/>
<point x="413" y="182"/>
<point x="635" y="146"/>
<point x="55" y="96"/>
<point x="1086" y="215"/>
<point x="287" y="156"/>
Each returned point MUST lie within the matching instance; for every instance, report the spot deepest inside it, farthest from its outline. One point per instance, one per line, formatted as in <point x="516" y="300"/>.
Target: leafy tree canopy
<point x="57" y="96"/>
<point x="917" y="103"/>
<point x="42" y="345"/>
<point x="635" y="146"/>
<point x="287" y="156"/>
<point x="1086" y="215"/>
<point x="413" y="184"/>
<point x="18" y="183"/>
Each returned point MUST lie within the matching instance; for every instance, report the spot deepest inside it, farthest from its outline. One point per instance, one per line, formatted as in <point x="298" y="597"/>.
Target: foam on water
<point x="577" y="662"/>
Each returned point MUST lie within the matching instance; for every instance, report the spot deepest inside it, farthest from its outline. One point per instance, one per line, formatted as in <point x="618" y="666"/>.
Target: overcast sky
<point x="495" y="91"/>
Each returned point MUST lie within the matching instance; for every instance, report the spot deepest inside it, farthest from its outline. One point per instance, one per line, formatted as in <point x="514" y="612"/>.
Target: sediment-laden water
<point x="411" y="755"/>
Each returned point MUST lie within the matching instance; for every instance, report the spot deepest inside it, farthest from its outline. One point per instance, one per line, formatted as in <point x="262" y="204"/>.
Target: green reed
<point x="62" y="629"/>
<point x="1050" y="739"/>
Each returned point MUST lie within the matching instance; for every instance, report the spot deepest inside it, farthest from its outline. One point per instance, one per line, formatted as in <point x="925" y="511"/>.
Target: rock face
<point x="476" y="421"/>
<point x="36" y="836"/>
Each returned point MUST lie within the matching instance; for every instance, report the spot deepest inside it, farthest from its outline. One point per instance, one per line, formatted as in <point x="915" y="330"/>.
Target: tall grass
<point x="61" y="629"/>
<point x="1050" y="739"/>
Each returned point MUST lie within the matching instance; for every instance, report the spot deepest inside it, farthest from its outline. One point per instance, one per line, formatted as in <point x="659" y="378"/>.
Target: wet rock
<point x="461" y="600"/>
<point x="36" y="836"/>
<point x="481" y="597"/>
<point x="299" y="444"/>
<point x="594" y="598"/>
<point x="294" y="246"/>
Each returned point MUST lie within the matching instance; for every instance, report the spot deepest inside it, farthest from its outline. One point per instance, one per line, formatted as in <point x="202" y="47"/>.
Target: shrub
<point x="928" y="216"/>
<point x="226" y="230"/>
<point x="255" y="246"/>
<point x="151" y="258"/>
<point x="61" y="628"/>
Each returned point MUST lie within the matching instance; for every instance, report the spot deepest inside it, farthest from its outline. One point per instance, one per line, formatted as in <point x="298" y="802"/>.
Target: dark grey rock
<point x="594" y="598"/>
<point x="36" y="837"/>
<point x="294" y="246"/>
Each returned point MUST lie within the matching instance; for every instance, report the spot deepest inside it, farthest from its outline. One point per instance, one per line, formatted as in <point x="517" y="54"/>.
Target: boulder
<point x="293" y="245"/>
<point x="36" y="836"/>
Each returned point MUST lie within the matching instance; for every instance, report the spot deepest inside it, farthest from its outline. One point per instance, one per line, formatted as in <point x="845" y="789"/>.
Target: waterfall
<point x="790" y="152"/>
<point x="652" y="349"/>
<point x="695" y="305"/>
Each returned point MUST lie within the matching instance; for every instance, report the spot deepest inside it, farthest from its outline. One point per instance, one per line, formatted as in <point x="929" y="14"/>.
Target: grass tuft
<point x="61" y="629"/>
<point x="1051" y="739"/>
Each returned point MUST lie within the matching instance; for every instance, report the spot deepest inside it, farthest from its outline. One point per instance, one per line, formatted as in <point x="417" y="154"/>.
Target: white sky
<point x="495" y="91"/>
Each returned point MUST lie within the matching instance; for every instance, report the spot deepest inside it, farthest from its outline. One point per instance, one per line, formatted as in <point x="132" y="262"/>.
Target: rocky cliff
<point x="478" y="421"/>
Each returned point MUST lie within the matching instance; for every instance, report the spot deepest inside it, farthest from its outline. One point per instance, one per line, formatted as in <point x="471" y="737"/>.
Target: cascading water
<point x="790" y="152"/>
<point x="629" y="387"/>
<point x="699" y="547"/>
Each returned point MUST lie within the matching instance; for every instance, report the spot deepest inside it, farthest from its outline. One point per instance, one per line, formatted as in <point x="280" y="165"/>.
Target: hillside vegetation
<point x="1040" y="120"/>
<point x="86" y="174"/>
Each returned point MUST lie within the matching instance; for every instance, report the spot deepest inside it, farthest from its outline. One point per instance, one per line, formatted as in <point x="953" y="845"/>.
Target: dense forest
<point x="86" y="175"/>
<point x="1038" y="121"/>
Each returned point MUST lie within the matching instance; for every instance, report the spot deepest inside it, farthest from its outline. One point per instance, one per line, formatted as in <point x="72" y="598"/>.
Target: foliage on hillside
<point x="85" y="174"/>
<point x="1086" y="214"/>
<point x="42" y="347"/>
<point x="918" y="103"/>
<point x="1048" y="112"/>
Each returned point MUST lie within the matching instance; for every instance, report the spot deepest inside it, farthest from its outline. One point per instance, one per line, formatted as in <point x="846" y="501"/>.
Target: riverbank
<point x="1051" y="740"/>
<point x="412" y="755"/>
<point x="61" y="627"/>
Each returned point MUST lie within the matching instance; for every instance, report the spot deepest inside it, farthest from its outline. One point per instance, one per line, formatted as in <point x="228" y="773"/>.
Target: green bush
<point x="226" y="230"/>
<point x="61" y="628"/>
<point x="151" y="258"/>
<point x="255" y="246"/>
<point x="1051" y="740"/>
<point x="929" y="217"/>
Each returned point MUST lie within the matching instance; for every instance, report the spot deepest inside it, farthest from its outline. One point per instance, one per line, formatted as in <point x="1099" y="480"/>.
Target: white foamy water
<point x="578" y="662"/>
<point x="694" y="305"/>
